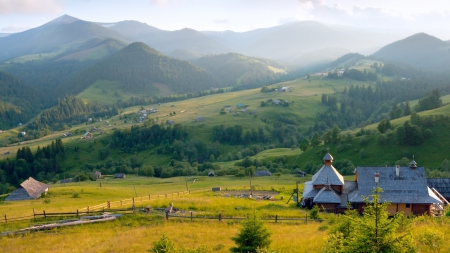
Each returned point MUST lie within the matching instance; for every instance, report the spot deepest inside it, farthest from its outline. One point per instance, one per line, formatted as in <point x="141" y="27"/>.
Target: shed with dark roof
<point x="28" y="189"/>
<point x="442" y="185"/>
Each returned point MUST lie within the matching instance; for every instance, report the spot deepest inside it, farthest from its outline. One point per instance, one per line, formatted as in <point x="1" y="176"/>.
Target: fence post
<point x="306" y="218"/>
<point x="191" y="216"/>
<point x="149" y="197"/>
<point x="34" y="214"/>
<point x="45" y="215"/>
<point x="166" y="195"/>
<point x="6" y="220"/>
<point x="220" y="217"/>
<point x="133" y="200"/>
<point x="276" y="218"/>
<point x="88" y="209"/>
<point x="108" y="204"/>
<point x="120" y="202"/>
<point x="77" y="213"/>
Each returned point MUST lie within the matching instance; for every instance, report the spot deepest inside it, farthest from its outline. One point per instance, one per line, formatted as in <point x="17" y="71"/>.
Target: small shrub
<point x="218" y="247"/>
<point x="46" y="201"/>
<point x="163" y="245"/>
<point x="322" y="228"/>
<point x="314" y="213"/>
<point x="364" y="141"/>
<point x="76" y="195"/>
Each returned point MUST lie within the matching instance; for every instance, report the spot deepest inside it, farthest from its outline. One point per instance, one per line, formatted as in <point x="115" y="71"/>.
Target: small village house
<point x="97" y="174"/>
<point x="200" y="118"/>
<point x="28" y="189"/>
<point x="262" y="173"/>
<point x="87" y="135"/>
<point x="301" y="173"/>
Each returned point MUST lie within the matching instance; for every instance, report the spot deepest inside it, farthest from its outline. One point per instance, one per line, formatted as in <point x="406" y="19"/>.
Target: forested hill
<point x="236" y="69"/>
<point x="139" y="67"/>
<point x="18" y="101"/>
<point x="420" y="50"/>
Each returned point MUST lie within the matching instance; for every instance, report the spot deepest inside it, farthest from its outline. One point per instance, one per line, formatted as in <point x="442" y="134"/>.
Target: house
<point x="88" y="135"/>
<point x="28" y="189"/>
<point x="301" y="173"/>
<point x="200" y="118"/>
<point x="97" y="174"/>
<point x="405" y="188"/>
<point x="240" y="105"/>
<point x="276" y="102"/>
<point x="6" y="153"/>
<point x="120" y="175"/>
<point x="262" y="173"/>
<point x="283" y="89"/>
<point x="170" y="122"/>
<point x="211" y="174"/>
<point x="441" y="185"/>
<point x="23" y="133"/>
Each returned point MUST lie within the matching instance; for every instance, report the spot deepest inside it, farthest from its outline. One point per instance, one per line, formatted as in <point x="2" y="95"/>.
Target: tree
<point x="252" y="237"/>
<point x="373" y="232"/>
<point x="407" y="110"/>
<point x="304" y="144"/>
<point x="316" y="140"/>
<point x="335" y="131"/>
<point x="384" y="125"/>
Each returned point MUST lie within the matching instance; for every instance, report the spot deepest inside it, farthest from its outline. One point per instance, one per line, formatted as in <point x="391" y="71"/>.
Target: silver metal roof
<point x="327" y="175"/>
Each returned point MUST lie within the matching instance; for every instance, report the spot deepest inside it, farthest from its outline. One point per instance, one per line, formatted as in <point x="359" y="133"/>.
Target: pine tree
<point x="252" y="237"/>
<point x="372" y="233"/>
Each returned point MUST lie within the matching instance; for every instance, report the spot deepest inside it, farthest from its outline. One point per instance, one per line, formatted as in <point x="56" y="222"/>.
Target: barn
<point x="29" y="189"/>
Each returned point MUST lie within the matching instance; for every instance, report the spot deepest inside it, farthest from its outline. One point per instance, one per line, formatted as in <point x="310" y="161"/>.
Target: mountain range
<point x="68" y="56"/>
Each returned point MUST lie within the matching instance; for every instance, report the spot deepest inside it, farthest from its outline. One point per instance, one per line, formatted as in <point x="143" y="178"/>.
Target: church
<point x="405" y="188"/>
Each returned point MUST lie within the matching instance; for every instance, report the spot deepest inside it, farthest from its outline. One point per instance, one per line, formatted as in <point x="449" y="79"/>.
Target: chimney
<point x="377" y="178"/>
<point x="397" y="170"/>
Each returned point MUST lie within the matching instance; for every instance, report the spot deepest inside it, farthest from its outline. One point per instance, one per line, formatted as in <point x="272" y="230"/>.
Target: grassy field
<point x="136" y="233"/>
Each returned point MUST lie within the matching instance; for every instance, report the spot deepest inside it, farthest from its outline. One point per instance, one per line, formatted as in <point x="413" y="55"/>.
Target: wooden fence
<point x="132" y="201"/>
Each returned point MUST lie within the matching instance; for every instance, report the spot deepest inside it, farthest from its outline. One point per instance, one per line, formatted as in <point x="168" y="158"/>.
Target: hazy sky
<point x="431" y="16"/>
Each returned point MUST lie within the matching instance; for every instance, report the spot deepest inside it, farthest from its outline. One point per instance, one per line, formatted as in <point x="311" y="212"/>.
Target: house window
<point x="408" y="205"/>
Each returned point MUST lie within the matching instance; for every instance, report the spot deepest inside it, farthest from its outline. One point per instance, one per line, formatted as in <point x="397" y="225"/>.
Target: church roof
<point x="327" y="195"/>
<point x="409" y="187"/>
<point x="327" y="174"/>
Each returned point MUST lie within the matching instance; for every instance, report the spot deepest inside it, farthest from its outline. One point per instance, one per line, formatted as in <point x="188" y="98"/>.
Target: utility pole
<point x="297" y="195"/>
<point x="250" y="178"/>
<point x="134" y="188"/>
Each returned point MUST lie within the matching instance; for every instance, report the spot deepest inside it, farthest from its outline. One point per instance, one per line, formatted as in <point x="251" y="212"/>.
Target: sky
<point x="430" y="16"/>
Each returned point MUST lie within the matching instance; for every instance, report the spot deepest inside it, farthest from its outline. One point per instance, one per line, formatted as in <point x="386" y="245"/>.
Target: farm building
<point x="29" y="189"/>
<point x="262" y="173"/>
<point x="405" y="188"/>
<point x="88" y="135"/>
<point x="441" y="185"/>
<point x="200" y="118"/>
<point x="211" y="174"/>
<point x="170" y="122"/>
<point x="120" y="175"/>
<point x="301" y="173"/>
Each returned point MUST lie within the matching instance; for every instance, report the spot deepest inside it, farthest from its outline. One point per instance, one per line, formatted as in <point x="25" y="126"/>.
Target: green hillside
<point x="235" y="69"/>
<point x="18" y="101"/>
<point x="140" y="69"/>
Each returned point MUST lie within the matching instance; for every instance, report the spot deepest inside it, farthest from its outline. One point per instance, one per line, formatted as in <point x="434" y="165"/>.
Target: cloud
<point x="30" y="6"/>
<point x="221" y="21"/>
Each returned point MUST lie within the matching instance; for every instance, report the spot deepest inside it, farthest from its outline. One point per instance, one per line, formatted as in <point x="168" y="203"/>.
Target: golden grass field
<point x="136" y="233"/>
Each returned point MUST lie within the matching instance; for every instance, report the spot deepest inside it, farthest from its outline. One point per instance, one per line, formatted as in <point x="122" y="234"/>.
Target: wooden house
<point x="211" y="174"/>
<point x="88" y="135"/>
<point x="301" y="173"/>
<point x="28" y="189"/>
<point x="97" y="174"/>
<point x="405" y="188"/>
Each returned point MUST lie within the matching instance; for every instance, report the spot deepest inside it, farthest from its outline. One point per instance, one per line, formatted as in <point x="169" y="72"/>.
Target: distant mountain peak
<point x="64" y="19"/>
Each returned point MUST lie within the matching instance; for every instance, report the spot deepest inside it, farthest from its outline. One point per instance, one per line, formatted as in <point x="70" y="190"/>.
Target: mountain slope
<point x="236" y="69"/>
<point x="54" y="36"/>
<point x="140" y="69"/>
<point x="420" y="50"/>
<point x="18" y="101"/>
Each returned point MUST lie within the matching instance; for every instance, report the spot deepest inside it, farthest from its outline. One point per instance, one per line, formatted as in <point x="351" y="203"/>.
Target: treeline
<point x="355" y="74"/>
<point x="358" y="105"/>
<point x="236" y="135"/>
<point x="66" y="112"/>
<point x="43" y="165"/>
<point x="133" y="101"/>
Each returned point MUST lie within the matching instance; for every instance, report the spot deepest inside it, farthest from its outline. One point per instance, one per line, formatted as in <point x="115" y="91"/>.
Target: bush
<point x="364" y="141"/>
<point x="382" y="139"/>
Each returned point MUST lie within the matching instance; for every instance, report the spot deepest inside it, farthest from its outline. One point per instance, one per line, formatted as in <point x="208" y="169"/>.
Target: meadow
<point x="137" y="232"/>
